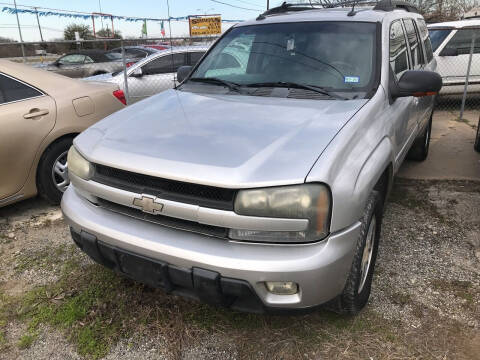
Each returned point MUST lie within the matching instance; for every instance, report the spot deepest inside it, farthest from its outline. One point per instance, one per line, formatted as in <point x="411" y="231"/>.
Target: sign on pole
<point x="208" y="25"/>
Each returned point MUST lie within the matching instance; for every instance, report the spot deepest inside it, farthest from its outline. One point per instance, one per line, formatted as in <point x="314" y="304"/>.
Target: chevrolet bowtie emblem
<point x="148" y="204"/>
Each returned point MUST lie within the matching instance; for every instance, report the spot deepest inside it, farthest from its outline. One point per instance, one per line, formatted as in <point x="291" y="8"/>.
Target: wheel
<point x="419" y="150"/>
<point x="52" y="173"/>
<point x="359" y="281"/>
<point x="476" y="146"/>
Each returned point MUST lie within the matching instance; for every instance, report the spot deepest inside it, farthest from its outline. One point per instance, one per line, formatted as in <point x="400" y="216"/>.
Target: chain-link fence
<point x="140" y="67"/>
<point x="144" y="67"/>
<point x="457" y="53"/>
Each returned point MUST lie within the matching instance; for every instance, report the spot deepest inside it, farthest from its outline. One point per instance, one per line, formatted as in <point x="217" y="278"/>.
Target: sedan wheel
<point x="60" y="172"/>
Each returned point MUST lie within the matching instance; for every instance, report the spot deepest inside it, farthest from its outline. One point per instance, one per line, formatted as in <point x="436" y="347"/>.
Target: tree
<point x="107" y="33"/>
<point x="6" y="40"/>
<point x="83" y="30"/>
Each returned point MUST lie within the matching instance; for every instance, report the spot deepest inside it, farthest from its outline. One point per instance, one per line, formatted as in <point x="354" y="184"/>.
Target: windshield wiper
<point x="216" y="81"/>
<point x="286" y="84"/>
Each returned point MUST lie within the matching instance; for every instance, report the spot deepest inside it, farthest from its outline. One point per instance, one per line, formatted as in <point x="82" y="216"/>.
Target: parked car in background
<point x="85" y="63"/>
<point x="451" y="44"/>
<point x="261" y="186"/>
<point x="155" y="73"/>
<point x="40" y="114"/>
<point x="134" y="53"/>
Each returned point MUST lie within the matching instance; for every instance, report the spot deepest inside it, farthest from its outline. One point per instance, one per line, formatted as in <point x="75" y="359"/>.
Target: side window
<point x="164" y="64"/>
<point x="88" y="59"/>
<point x="462" y="41"/>
<point x="13" y="90"/>
<point x="398" y="49"/>
<point x="414" y="43"/>
<point x="72" y="59"/>
<point x="195" y="57"/>
<point x="422" y="27"/>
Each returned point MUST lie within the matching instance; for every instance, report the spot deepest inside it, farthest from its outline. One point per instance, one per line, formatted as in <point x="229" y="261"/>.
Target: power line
<point x="247" y="2"/>
<point x="234" y="6"/>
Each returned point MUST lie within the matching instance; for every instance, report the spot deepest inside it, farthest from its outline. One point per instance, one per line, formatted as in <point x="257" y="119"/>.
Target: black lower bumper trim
<point x="204" y="285"/>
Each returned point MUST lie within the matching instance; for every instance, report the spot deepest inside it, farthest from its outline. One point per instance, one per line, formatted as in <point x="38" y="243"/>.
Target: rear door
<point x="402" y="110"/>
<point x="453" y="68"/>
<point x="26" y="117"/>
<point x="157" y="75"/>
<point x="423" y="105"/>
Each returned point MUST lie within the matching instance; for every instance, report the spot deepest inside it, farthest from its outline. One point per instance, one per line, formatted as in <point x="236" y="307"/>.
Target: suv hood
<point x="220" y="140"/>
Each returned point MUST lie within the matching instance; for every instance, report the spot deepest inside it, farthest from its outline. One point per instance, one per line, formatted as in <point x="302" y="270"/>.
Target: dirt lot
<point x="57" y="304"/>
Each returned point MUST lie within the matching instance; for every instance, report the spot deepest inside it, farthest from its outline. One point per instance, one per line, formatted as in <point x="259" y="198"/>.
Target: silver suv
<point x="260" y="181"/>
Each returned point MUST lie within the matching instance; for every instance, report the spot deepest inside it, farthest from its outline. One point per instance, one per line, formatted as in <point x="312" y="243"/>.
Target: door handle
<point x="35" y="113"/>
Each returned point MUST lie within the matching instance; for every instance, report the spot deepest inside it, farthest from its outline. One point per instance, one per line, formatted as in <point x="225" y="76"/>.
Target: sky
<point x="52" y="26"/>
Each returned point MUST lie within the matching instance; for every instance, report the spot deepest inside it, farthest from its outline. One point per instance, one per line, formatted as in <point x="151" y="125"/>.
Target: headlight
<point x="78" y="165"/>
<point x="308" y="201"/>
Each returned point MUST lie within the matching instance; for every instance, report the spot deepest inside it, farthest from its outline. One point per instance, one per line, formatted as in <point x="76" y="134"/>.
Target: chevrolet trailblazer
<point x="260" y="181"/>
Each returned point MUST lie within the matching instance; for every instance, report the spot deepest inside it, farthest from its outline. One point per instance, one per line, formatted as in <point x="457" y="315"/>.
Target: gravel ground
<point x="426" y="289"/>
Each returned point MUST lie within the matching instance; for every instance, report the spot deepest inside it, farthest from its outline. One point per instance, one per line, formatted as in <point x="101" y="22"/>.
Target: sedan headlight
<point x="307" y="201"/>
<point x="78" y="165"/>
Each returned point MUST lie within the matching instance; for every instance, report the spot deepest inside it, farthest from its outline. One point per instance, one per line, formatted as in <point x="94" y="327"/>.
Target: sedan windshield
<point x="437" y="36"/>
<point x="337" y="56"/>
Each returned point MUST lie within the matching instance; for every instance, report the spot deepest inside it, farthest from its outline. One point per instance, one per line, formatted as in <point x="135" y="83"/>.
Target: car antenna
<point x="352" y="12"/>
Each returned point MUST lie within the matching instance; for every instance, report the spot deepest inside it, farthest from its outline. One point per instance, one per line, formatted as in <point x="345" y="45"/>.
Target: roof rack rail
<point x="390" y="5"/>
<point x="382" y="5"/>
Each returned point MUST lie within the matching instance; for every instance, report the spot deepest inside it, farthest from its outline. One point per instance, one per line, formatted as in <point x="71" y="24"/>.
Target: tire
<point x="476" y="146"/>
<point x="419" y="150"/>
<point x="53" y="181"/>
<point x="356" y="293"/>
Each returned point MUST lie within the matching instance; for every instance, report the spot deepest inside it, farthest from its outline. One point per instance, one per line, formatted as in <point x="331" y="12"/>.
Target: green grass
<point x="26" y="341"/>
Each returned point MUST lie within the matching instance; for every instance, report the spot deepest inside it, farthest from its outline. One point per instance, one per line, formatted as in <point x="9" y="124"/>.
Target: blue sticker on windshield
<point x="352" y="79"/>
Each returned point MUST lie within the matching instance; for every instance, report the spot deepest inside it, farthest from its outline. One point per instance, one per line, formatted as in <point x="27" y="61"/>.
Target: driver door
<point x="157" y="75"/>
<point x="71" y="65"/>
<point x="26" y="117"/>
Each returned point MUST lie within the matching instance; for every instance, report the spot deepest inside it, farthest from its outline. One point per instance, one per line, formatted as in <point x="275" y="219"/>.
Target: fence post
<point x="19" y="31"/>
<point x="462" y="109"/>
<point x="125" y="77"/>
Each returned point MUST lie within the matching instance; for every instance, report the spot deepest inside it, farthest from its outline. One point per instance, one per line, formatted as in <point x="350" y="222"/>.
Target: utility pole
<point x="39" y="27"/>
<point x="268" y="4"/>
<point x="19" y="31"/>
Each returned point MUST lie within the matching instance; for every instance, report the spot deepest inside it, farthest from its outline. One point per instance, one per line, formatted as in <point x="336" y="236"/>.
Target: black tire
<point x="99" y="73"/>
<point x="356" y="293"/>
<point x="476" y="146"/>
<point x="47" y="187"/>
<point x="419" y="150"/>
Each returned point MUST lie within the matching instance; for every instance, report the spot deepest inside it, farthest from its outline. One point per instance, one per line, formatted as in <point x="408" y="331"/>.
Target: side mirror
<point x="416" y="83"/>
<point x="183" y="72"/>
<point x="138" y="73"/>
<point x="449" y="51"/>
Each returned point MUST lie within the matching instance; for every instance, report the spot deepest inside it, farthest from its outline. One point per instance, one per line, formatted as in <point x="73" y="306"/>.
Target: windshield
<point x="437" y="36"/>
<point x="339" y="56"/>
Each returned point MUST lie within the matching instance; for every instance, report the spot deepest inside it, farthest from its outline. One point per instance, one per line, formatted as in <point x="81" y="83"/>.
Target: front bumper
<point x="320" y="269"/>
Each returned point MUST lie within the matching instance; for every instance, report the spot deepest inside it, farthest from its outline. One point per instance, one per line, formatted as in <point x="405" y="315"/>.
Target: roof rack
<point x="382" y="5"/>
<point x="390" y="5"/>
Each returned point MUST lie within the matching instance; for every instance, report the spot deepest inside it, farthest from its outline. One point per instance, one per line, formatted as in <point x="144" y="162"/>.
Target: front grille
<point x="167" y="221"/>
<point x="195" y="194"/>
